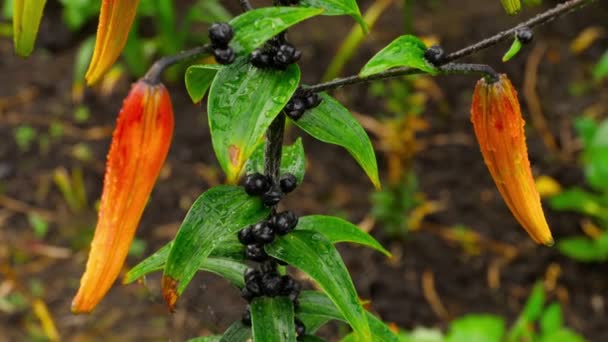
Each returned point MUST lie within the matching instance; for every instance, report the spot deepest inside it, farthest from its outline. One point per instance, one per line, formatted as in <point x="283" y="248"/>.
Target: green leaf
<point x="338" y="7"/>
<point x="579" y="200"/>
<point x="293" y="160"/>
<point x="582" y="248"/>
<point x="476" y="328"/>
<point x="315" y="308"/>
<point x="198" y="80"/>
<point x="513" y="50"/>
<point x="331" y="123"/>
<point x="551" y="319"/>
<point x="229" y="248"/>
<point x="562" y="335"/>
<point x="237" y="332"/>
<point x="600" y="71"/>
<point x="243" y="101"/>
<point x="406" y="51"/>
<point x="511" y="6"/>
<point x="214" y="217"/>
<point x="214" y="338"/>
<point x="338" y="230"/>
<point x="586" y="129"/>
<point x="26" y="21"/>
<point x="310" y="338"/>
<point x="253" y="28"/>
<point x="535" y="303"/>
<point x="272" y="319"/>
<point x="313" y="254"/>
<point x="226" y="268"/>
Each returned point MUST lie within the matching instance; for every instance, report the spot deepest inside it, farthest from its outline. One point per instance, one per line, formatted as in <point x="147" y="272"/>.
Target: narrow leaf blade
<point x="313" y="254"/>
<point x="331" y="123"/>
<point x="198" y="79"/>
<point x="243" y="101"/>
<point x="406" y="51"/>
<point x="272" y="319"/>
<point x="338" y="7"/>
<point x="215" y="216"/>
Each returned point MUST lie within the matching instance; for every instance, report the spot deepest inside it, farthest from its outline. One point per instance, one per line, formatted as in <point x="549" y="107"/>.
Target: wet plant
<point x="240" y="230"/>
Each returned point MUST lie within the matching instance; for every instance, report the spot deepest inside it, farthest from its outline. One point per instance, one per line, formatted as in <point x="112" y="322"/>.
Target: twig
<point x="274" y="147"/>
<point x="540" y="19"/>
<point x="155" y="71"/>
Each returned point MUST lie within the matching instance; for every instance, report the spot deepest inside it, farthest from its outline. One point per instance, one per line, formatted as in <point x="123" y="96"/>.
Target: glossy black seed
<point x="312" y="100"/>
<point x="269" y="266"/>
<point x="247" y="295"/>
<point x="220" y="34"/>
<point x="288" y="183"/>
<point x="300" y="328"/>
<point x="254" y="286"/>
<point x="246" y="236"/>
<point x="256" y="253"/>
<point x="252" y="274"/>
<point x="525" y="35"/>
<point x="260" y="59"/>
<point x="256" y="184"/>
<point x="271" y="284"/>
<point x="246" y="319"/>
<point x="272" y="197"/>
<point x="283" y="222"/>
<point x="295" y="108"/>
<point x="434" y="54"/>
<point x="262" y="232"/>
<point x="224" y="56"/>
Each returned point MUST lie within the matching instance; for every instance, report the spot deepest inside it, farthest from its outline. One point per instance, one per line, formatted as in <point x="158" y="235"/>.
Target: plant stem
<point x="155" y="71"/>
<point x="463" y="68"/>
<point x="245" y="5"/>
<point x="274" y="147"/>
<point x="543" y="18"/>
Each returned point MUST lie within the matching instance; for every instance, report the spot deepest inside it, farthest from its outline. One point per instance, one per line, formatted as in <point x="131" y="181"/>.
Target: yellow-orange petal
<point x="115" y="20"/>
<point x="139" y="147"/>
<point x="499" y="127"/>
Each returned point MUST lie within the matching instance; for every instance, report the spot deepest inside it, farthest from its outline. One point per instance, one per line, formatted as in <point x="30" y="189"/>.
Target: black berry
<point x="269" y="266"/>
<point x="262" y="232"/>
<point x="300" y="328"/>
<point x="220" y="34"/>
<point x="271" y="284"/>
<point x="254" y="286"/>
<point x="434" y="54"/>
<point x="283" y="222"/>
<point x="312" y="100"/>
<point x="224" y="55"/>
<point x="247" y="317"/>
<point x="247" y="295"/>
<point x="246" y="236"/>
<point x="256" y="253"/>
<point x="525" y="35"/>
<point x="272" y="197"/>
<point x="251" y="274"/>
<point x="260" y="59"/>
<point x="295" y="108"/>
<point x="288" y="183"/>
<point x="256" y="184"/>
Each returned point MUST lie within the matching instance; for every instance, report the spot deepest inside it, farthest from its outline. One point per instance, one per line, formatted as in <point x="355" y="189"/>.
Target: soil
<point x="431" y="280"/>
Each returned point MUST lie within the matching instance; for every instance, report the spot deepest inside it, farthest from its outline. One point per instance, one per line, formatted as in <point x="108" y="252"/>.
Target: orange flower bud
<point x="139" y="147"/>
<point x="499" y="128"/>
<point x="115" y="20"/>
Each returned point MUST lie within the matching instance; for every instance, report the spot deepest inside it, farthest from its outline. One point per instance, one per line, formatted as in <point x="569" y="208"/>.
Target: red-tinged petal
<point x="499" y="127"/>
<point x="115" y="20"/>
<point x="139" y="147"/>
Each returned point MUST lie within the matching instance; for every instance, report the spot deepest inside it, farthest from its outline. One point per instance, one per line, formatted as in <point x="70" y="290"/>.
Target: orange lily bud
<point x="115" y="21"/>
<point x="499" y="127"/>
<point x="139" y="147"/>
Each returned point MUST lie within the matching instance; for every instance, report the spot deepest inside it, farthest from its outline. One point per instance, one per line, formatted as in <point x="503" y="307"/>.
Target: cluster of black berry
<point x="220" y="35"/>
<point x="277" y="53"/>
<point x="257" y="184"/>
<point x="254" y="237"/>
<point x="300" y="102"/>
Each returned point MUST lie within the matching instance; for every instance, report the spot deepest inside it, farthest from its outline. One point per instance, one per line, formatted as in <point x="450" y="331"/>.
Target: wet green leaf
<point x="337" y="230"/>
<point x="293" y="160"/>
<point x="404" y="51"/>
<point x="331" y="123"/>
<point x="338" y="7"/>
<point x="237" y="332"/>
<point x="312" y="253"/>
<point x="513" y="50"/>
<point x="272" y="319"/>
<point x="214" y="217"/>
<point x="198" y="79"/>
<point x="243" y="101"/>
<point x="253" y="28"/>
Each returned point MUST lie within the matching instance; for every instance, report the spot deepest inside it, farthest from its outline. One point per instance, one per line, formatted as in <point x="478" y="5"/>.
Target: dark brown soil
<point x="37" y="92"/>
